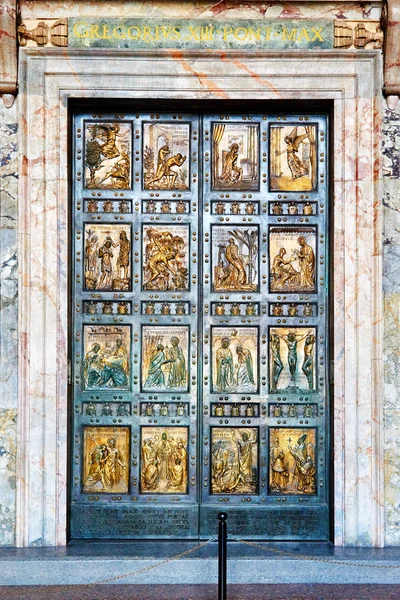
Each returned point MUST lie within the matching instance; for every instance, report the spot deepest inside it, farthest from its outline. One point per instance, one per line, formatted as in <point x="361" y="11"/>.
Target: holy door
<point x="199" y="325"/>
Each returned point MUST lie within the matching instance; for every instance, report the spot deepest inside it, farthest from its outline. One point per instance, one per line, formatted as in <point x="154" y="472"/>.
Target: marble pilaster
<point x="391" y="288"/>
<point x="8" y="319"/>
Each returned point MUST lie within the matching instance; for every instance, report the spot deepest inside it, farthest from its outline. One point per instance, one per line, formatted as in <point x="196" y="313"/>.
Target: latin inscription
<point x="168" y="33"/>
<point x="128" y="521"/>
<point x="290" y="523"/>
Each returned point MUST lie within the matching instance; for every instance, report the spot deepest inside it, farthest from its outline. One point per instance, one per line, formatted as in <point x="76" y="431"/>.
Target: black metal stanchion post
<point x="222" y="555"/>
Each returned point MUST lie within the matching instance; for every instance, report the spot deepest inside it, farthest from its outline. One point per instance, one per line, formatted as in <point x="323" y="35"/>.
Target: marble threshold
<point x="118" y="563"/>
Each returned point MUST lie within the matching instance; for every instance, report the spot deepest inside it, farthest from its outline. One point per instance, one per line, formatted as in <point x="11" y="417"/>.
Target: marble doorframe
<point x="48" y="79"/>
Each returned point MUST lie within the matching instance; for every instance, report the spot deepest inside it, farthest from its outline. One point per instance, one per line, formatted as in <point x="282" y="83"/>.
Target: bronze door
<point x="199" y="325"/>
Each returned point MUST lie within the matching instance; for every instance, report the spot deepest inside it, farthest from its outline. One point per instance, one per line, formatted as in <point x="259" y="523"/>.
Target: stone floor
<point x="151" y="563"/>
<point x="203" y="592"/>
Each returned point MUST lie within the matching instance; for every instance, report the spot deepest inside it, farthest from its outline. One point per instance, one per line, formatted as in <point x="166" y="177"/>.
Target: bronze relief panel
<point x="235" y="156"/>
<point x="165" y="358"/>
<point x="164" y="460"/>
<point x="107" y="155"/>
<point x="166" y="148"/>
<point x="108" y="257"/>
<point x="234" y="460"/>
<point x="235" y="360"/>
<point x="292" y="254"/>
<point x="292" y="359"/>
<point x="292" y="460"/>
<point x="106" y="459"/>
<point x="107" y="352"/>
<point x="293" y="158"/>
<point x="165" y="256"/>
<point x="235" y="258"/>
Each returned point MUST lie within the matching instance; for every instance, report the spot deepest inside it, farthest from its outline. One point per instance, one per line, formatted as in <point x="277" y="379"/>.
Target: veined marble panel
<point x="8" y="319"/>
<point x="222" y="9"/>
<point x="391" y="349"/>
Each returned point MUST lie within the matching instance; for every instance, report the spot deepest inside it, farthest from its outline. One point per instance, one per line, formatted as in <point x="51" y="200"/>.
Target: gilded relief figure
<point x="291" y="340"/>
<point x="106" y="452"/>
<point x="235" y="158"/>
<point x="107" y="155"/>
<point x="155" y="373"/>
<point x="224" y="361"/>
<point x="288" y="347"/>
<point x="292" y="465"/>
<point x="165" y="252"/>
<point x="165" y="358"/>
<point x="234" y="460"/>
<point x="105" y="268"/>
<point x="91" y="258"/>
<point x="177" y="372"/>
<point x="106" y="361"/>
<point x="276" y="361"/>
<point x="235" y="356"/>
<point x="308" y="362"/>
<point x="292" y="259"/>
<point x="293" y="141"/>
<point x="293" y="157"/>
<point x="231" y="173"/>
<point x="245" y="375"/>
<point x="279" y="470"/>
<point x="235" y="265"/>
<point x="306" y="260"/>
<point x="304" y="470"/>
<point x="164" y="460"/>
<point x="166" y="147"/>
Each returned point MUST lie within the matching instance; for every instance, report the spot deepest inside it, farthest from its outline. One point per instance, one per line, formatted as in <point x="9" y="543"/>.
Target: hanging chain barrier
<point x="334" y="561"/>
<point x="40" y="587"/>
<point x="223" y="537"/>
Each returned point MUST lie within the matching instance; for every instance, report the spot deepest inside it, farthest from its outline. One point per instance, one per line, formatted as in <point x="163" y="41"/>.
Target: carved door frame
<point x="48" y="80"/>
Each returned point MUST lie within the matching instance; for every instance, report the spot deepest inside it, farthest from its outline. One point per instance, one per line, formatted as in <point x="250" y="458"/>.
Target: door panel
<point x="199" y="237"/>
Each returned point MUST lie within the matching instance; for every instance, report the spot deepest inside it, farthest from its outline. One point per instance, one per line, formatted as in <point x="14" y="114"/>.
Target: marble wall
<point x="8" y="319"/>
<point x="8" y="236"/>
<point x="201" y="9"/>
<point x="391" y="289"/>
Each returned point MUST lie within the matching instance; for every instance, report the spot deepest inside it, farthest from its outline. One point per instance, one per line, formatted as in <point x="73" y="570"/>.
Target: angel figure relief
<point x="293" y="141"/>
<point x="297" y="172"/>
<point x="107" y="156"/>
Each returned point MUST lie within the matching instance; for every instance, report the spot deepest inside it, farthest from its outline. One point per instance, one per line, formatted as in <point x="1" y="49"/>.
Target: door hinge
<point x="69" y="371"/>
